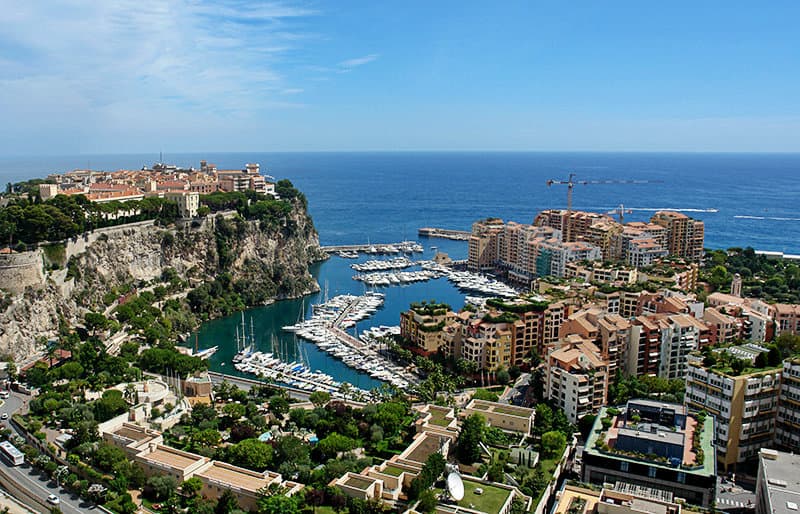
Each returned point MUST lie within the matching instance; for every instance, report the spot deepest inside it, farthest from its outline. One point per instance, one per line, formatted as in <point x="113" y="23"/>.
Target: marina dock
<point x="444" y="233"/>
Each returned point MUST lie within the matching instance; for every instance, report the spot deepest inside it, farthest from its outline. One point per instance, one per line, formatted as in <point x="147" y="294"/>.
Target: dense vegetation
<point x="28" y="220"/>
<point x="625" y="388"/>
<point x="774" y="280"/>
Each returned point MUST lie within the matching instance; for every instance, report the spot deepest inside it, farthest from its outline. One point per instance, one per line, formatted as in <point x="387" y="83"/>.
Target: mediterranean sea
<point x="744" y="200"/>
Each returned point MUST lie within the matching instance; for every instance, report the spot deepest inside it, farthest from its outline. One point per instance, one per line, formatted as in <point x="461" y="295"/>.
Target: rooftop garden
<point x="431" y="308"/>
<point x="517" y="307"/>
<point x="500" y="317"/>
<point x="698" y="430"/>
<point x="723" y="361"/>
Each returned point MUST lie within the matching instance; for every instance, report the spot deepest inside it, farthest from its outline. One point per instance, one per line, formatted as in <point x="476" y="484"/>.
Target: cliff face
<point x="275" y="257"/>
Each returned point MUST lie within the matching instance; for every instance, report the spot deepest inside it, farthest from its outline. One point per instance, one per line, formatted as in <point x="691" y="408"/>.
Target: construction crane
<point x="621" y="211"/>
<point x="570" y="183"/>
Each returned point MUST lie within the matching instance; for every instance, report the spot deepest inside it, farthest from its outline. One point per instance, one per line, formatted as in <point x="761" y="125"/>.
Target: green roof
<point x="706" y="444"/>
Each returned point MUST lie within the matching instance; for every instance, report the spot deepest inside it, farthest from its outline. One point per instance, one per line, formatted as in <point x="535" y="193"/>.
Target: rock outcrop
<point x="277" y="256"/>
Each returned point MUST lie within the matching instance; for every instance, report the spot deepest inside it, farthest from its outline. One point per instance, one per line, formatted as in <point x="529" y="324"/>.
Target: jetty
<point x="444" y="233"/>
<point x="376" y="248"/>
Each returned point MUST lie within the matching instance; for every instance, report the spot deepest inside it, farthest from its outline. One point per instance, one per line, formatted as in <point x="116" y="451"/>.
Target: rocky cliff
<point x="271" y="259"/>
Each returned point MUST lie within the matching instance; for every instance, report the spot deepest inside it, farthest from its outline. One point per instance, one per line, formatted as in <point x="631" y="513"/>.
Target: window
<point x="681" y="477"/>
<point x="623" y="466"/>
<point x="651" y="472"/>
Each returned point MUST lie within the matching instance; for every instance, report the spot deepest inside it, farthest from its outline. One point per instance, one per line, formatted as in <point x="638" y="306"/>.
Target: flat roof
<point x="782" y="481"/>
<point x="237" y="477"/>
<point x="708" y="468"/>
<point x="428" y="444"/>
<point x="172" y="457"/>
<point x="134" y="434"/>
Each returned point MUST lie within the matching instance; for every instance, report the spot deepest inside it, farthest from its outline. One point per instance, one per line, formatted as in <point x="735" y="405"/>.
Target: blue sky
<point x="191" y="75"/>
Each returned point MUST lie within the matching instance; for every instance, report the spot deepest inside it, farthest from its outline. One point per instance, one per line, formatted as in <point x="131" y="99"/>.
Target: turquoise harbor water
<point x="337" y="274"/>
<point x="744" y="199"/>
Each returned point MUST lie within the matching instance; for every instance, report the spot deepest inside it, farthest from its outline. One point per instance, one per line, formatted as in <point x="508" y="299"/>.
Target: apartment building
<point x="640" y="253"/>
<point x="643" y="356"/>
<point x="483" y="251"/>
<point x="744" y="405"/>
<point x="777" y="483"/>
<point x="680" y="336"/>
<point x="685" y="236"/>
<point x="723" y="329"/>
<point x="577" y="377"/>
<point x="787" y="319"/>
<point x="653" y="444"/>
<point x="596" y="272"/>
<point x="423" y="325"/>
<point x="487" y="341"/>
<point x="787" y="423"/>
<point x="580" y="223"/>
<point x="621" y="498"/>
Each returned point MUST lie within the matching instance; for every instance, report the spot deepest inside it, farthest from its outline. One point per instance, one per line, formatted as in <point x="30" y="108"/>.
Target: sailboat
<point x="244" y="347"/>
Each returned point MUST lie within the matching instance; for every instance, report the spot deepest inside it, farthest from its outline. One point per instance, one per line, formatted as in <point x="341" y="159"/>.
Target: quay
<point x="444" y="233"/>
<point x="376" y="248"/>
<point x="246" y="383"/>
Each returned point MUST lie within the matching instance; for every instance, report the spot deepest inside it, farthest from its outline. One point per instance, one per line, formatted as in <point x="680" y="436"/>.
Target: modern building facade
<point x="657" y="445"/>
<point x="744" y="405"/>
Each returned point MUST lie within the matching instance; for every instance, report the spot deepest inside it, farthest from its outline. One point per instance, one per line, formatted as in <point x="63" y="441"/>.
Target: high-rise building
<point x="744" y="404"/>
<point x="787" y="423"/>
<point x="577" y="378"/>
<point x="653" y="444"/>
<point x="423" y="325"/>
<point x="484" y="244"/>
<point x="580" y="223"/>
<point x="685" y="235"/>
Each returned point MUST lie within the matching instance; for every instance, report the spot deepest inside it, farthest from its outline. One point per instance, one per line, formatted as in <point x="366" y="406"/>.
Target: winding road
<point x="29" y="485"/>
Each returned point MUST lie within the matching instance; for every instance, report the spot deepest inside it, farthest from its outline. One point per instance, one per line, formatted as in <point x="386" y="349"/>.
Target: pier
<point x="376" y="248"/>
<point x="444" y="233"/>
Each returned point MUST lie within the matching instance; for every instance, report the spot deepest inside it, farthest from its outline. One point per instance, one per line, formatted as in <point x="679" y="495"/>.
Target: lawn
<point x="437" y="418"/>
<point x="393" y="471"/>
<point x="490" y="501"/>
<point x="510" y="412"/>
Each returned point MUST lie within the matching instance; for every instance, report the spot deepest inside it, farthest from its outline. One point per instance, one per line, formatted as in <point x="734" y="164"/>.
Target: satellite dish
<point x="455" y="487"/>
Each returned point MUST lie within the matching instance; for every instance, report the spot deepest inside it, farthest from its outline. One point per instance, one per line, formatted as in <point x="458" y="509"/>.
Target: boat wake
<point x="687" y="209"/>
<point x="766" y="218"/>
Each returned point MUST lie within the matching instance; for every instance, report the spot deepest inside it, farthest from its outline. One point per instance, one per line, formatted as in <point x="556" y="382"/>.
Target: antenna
<point x="455" y="486"/>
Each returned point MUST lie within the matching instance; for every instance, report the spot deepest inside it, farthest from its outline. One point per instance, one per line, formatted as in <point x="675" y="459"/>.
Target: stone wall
<point x="20" y="270"/>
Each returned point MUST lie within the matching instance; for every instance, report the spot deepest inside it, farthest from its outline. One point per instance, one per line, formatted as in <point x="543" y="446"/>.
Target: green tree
<point x="227" y="503"/>
<point x="250" y="454"/>
<point x="468" y="444"/>
<point x="319" y="398"/>
<point x="110" y="404"/>
<point x="162" y="486"/>
<point x="278" y="504"/>
<point x="427" y="501"/>
<point x="553" y="443"/>
<point x="334" y="443"/>
<point x="192" y="486"/>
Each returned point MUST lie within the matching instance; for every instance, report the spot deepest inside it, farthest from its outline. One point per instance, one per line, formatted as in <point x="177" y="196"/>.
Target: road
<point x="34" y="485"/>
